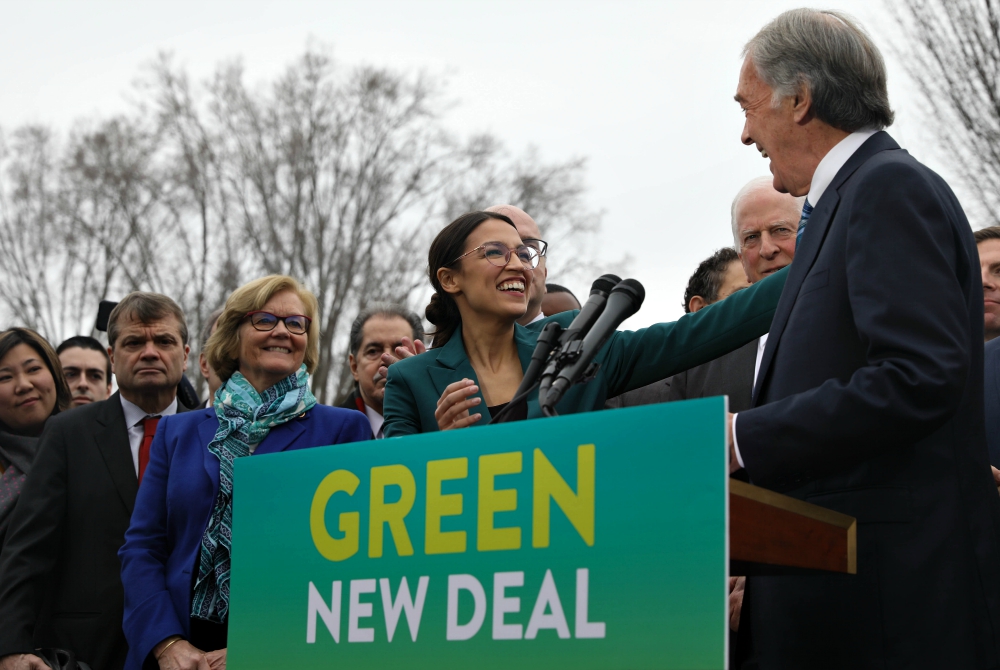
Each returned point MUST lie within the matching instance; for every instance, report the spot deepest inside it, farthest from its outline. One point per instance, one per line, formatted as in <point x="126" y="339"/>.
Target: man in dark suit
<point x="60" y="583"/>
<point x="869" y="399"/>
<point x="716" y="278"/>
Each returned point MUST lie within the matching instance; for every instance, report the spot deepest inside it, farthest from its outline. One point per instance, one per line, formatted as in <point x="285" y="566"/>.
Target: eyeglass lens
<point x="265" y="321"/>
<point x="498" y="254"/>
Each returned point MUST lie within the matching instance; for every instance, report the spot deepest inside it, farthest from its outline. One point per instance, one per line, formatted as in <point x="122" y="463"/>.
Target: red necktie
<point x="148" y="431"/>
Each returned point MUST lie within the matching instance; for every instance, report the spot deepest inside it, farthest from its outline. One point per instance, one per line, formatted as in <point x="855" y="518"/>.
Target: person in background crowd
<point x="716" y="278"/>
<point x="211" y="378"/>
<point x="87" y="367"/>
<point x="75" y="507"/>
<point x="482" y="274"/>
<point x="176" y="557"/>
<point x="869" y="398"/>
<point x="32" y="389"/>
<point x="531" y="236"/>
<point x="558" y="299"/>
<point x="988" y="245"/>
<point x="378" y="330"/>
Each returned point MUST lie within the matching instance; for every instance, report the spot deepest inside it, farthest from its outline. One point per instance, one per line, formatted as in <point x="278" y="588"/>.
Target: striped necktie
<point x="807" y="209"/>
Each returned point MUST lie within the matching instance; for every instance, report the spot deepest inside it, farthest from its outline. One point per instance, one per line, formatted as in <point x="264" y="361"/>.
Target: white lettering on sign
<point x="403" y="603"/>
<point x="456" y="583"/>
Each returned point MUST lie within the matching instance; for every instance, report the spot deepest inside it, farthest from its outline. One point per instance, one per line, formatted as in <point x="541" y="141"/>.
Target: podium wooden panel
<point x="769" y="532"/>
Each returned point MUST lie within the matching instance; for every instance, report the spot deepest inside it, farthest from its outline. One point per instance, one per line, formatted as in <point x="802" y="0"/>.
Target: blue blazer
<point x="172" y="510"/>
<point x="991" y="388"/>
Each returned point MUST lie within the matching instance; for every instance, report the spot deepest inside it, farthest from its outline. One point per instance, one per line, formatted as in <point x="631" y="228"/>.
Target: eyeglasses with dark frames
<point x="538" y="244"/>
<point x="296" y="324"/>
<point x="498" y="254"/>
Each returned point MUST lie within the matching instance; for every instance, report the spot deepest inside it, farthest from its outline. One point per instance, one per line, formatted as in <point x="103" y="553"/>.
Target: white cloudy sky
<point x="643" y="89"/>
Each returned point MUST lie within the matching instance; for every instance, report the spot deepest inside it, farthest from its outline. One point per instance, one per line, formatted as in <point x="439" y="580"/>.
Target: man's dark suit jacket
<point x="60" y="577"/>
<point x="869" y="401"/>
<point x="730" y="375"/>
<point x="991" y="387"/>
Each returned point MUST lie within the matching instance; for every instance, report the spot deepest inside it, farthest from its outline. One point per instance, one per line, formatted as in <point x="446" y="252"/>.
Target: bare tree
<point x="951" y="50"/>
<point x="337" y="176"/>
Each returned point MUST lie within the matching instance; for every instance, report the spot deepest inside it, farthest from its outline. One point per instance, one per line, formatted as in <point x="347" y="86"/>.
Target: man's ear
<point x="448" y="279"/>
<point x="695" y="303"/>
<point x="354" y="366"/>
<point x="802" y="111"/>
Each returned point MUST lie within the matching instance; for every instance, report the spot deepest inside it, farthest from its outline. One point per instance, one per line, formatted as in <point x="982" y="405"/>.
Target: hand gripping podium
<point x="590" y="541"/>
<point x="773" y="533"/>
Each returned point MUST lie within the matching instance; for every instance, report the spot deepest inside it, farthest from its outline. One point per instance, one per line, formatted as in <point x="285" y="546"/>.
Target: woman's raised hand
<point x="453" y="407"/>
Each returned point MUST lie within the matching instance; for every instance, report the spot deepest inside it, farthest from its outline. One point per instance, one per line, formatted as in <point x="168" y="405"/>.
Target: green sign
<point x="589" y="541"/>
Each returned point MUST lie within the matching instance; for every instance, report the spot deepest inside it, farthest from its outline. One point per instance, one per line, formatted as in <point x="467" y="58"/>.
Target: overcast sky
<point x="642" y="89"/>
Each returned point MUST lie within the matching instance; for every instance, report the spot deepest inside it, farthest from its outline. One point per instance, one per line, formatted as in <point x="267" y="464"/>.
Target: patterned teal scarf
<point x="245" y="418"/>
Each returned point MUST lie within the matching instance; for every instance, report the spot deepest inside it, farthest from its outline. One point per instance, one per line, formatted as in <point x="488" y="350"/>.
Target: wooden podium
<point x="770" y="533"/>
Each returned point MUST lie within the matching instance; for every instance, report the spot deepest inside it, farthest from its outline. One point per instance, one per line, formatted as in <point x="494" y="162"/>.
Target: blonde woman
<point x="175" y="566"/>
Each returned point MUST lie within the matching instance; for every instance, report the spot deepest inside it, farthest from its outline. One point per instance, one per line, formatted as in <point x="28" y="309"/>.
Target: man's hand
<point x="181" y="655"/>
<point x="22" y="662"/>
<point x="409" y="348"/>
<point x="996" y="477"/>
<point x="217" y="659"/>
<point x="734" y="463"/>
<point x="736" y="586"/>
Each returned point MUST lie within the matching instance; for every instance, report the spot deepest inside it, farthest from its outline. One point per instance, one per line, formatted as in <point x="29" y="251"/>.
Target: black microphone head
<point x="604" y="284"/>
<point x="634" y="290"/>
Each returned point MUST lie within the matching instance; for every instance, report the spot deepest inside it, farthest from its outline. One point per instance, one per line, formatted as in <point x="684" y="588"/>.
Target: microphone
<point x="553" y="335"/>
<point x="592" y="309"/>
<point x="624" y="301"/>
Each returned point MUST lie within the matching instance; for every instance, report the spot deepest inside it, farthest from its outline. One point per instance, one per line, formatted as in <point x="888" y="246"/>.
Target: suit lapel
<point x="809" y="248"/>
<point x="206" y="433"/>
<point x="453" y="365"/>
<point x="113" y="444"/>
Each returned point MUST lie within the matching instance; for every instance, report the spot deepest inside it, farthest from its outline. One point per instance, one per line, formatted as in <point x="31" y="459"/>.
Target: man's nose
<point x="745" y="136"/>
<point x="768" y="249"/>
<point x="989" y="281"/>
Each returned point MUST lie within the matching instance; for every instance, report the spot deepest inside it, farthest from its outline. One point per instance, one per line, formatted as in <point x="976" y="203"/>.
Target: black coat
<point x="992" y="398"/>
<point x="60" y="577"/>
<point x="869" y="401"/>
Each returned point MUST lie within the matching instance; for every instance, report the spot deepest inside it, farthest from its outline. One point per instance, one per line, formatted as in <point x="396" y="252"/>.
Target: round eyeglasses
<point x="498" y="254"/>
<point x="539" y="245"/>
<point x="296" y="324"/>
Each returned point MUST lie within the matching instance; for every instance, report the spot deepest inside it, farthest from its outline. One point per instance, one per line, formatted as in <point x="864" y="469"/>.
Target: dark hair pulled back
<point x="449" y="244"/>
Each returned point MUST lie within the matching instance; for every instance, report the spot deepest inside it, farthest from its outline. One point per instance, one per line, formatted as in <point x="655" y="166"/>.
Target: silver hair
<point x="751" y="186"/>
<point x="386" y="310"/>
<point x="834" y="57"/>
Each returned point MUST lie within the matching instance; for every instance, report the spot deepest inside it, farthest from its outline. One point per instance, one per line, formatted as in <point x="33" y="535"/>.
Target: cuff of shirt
<point x="736" y="446"/>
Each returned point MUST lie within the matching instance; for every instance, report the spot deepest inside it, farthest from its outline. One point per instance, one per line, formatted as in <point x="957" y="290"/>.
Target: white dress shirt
<point x="133" y="419"/>
<point x="376" y="420"/>
<point x="539" y="317"/>
<point x="827" y="169"/>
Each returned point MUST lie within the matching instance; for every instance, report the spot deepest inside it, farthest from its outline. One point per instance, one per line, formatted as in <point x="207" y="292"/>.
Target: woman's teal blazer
<point x="629" y="359"/>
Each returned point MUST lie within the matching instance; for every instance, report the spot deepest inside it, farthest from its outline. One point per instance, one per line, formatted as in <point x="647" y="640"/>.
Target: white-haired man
<point x="869" y="398"/>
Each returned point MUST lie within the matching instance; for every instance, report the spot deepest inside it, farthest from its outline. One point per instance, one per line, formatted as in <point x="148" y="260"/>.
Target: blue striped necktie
<point x="807" y="209"/>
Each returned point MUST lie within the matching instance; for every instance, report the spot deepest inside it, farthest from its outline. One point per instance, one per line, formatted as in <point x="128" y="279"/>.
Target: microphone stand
<point x="547" y="341"/>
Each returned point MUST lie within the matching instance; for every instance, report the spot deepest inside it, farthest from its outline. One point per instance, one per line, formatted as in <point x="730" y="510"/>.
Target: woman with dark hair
<point x="481" y="272"/>
<point x="32" y="388"/>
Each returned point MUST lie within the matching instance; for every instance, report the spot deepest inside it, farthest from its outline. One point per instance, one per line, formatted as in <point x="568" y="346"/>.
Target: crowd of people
<point x="854" y="326"/>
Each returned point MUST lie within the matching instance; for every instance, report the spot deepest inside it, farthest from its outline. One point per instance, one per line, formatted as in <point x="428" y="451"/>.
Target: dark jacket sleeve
<point x="915" y="328"/>
<point x="635" y="359"/>
<point x="150" y="616"/>
<point x="33" y="541"/>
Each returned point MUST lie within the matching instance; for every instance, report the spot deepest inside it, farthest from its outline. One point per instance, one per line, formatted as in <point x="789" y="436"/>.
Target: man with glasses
<point x="528" y="230"/>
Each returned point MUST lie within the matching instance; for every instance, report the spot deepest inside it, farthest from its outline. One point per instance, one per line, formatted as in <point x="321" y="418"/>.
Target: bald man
<point x="531" y="236"/>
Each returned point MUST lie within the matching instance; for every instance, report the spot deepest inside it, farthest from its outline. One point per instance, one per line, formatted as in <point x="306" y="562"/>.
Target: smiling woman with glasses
<point x="481" y="272"/>
<point x="175" y="566"/>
